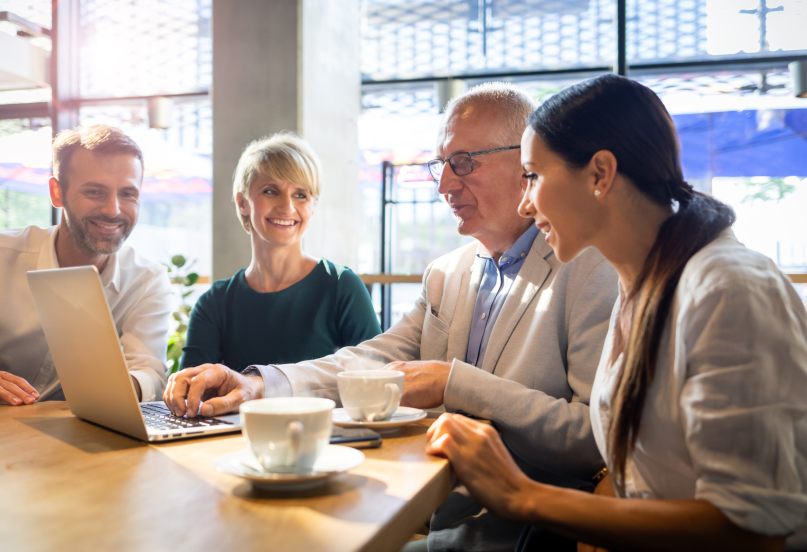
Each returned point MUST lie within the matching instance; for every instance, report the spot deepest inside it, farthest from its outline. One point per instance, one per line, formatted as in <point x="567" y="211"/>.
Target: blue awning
<point x="743" y="143"/>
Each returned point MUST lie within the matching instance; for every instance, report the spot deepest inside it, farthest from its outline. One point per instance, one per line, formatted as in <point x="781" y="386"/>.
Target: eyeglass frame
<point x="470" y="155"/>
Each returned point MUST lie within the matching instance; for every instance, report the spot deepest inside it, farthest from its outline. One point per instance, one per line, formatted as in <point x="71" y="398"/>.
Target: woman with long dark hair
<point x="700" y="398"/>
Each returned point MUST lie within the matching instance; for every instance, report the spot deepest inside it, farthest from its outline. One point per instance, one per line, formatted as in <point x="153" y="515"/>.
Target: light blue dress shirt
<point x="497" y="280"/>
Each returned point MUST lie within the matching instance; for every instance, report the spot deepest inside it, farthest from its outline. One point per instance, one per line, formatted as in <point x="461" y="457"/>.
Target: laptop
<point x="89" y="360"/>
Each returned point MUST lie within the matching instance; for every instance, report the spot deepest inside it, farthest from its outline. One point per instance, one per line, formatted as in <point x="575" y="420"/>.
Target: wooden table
<point x="69" y="485"/>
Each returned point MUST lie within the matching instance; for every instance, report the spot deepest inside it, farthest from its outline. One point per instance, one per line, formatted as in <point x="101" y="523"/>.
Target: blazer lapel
<point x="460" y="330"/>
<point x="529" y="281"/>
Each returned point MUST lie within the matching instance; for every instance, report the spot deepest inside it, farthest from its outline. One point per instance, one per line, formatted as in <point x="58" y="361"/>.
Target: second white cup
<point x="287" y="433"/>
<point x="370" y="395"/>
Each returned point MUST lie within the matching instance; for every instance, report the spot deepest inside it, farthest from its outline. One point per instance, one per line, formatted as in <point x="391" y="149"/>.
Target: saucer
<point x="333" y="460"/>
<point x="402" y="416"/>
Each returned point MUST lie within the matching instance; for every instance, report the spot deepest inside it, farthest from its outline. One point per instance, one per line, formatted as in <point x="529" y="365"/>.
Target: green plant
<point x="775" y="189"/>
<point x="182" y="280"/>
<point x="545" y="92"/>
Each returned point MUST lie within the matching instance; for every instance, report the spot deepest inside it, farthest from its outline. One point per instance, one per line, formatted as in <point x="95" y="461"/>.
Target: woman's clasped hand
<point x="482" y="463"/>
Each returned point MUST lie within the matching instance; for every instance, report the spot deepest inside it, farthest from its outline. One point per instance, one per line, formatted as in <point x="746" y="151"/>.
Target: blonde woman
<point x="286" y="306"/>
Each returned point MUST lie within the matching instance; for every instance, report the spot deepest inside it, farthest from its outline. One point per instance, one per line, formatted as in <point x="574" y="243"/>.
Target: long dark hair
<point x="622" y="116"/>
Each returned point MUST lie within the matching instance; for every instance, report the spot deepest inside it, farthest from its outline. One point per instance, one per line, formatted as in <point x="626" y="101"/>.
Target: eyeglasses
<point x="462" y="163"/>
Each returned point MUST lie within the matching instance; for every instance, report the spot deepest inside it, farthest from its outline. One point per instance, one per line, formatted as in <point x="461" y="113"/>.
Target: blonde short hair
<point x="283" y="156"/>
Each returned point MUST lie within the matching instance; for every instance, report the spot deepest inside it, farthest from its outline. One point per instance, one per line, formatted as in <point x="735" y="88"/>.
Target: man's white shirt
<point x="138" y="292"/>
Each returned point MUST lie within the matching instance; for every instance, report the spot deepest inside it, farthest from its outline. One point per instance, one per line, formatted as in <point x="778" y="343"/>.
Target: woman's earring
<point x="597" y="193"/>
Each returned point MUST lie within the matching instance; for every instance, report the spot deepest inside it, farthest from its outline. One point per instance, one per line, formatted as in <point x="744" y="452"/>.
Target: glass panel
<point x="699" y="29"/>
<point x="744" y="139"/>
<point x="24" y="173"/>
<point x="770" y="215"/>
<point x="409" y="38"/>
<point x="25" y="96"/>
<point x="36" y="12"/>
<point x="144" y="47"/>
<point x="175" y="212"/>
<point x="734" y="124"/>
<point x="801" y="289"/>
<point x="703" y="91"/>
<point x="403" y="300"/>
<point x="422" y="225"/>
<point x="399" y="126"/>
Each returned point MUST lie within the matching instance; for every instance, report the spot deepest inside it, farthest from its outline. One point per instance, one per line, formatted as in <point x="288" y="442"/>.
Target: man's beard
<point x="88" y="241"/>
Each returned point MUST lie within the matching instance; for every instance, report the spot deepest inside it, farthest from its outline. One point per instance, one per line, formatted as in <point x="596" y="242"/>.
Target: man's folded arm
<point x="550" y="433"/>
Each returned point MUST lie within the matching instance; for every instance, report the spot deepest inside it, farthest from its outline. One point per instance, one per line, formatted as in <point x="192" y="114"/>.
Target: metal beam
<point x="64" y="64"/>
<point x="29" y="28"/>
<point x="594" y="69"/>
<point x="750" y="63"/>
<point x="64" y="69"/>
<point x="621" y="20"/>
<point x="78" y="102"/>
<point x="387" y="170"/>
<point x="25" y="111"/>
<point x="721" y="63"/>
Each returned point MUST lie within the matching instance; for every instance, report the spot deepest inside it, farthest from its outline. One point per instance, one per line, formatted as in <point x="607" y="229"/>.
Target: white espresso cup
<point x="287" y="433"/>
<point x="370" y="395"/>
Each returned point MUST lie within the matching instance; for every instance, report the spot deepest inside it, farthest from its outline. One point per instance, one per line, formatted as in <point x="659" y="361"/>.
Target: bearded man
<point x="97" y="179"/>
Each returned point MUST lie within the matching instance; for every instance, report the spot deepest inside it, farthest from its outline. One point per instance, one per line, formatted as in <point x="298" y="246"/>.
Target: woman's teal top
<point x="234" y="325"/>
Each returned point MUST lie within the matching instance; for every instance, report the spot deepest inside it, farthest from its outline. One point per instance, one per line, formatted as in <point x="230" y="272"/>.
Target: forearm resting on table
<point x="637" y="524"/>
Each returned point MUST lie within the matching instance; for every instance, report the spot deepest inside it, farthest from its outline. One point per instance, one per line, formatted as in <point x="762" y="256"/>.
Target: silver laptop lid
<point x="85" y="348"/>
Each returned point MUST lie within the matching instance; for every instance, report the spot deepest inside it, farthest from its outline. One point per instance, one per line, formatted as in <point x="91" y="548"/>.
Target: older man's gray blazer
<point x="535" y="380"/>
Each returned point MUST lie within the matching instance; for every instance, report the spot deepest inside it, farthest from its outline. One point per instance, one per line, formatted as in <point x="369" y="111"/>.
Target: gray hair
<point x="513" y="101"/>
<point x="282" y="156"/>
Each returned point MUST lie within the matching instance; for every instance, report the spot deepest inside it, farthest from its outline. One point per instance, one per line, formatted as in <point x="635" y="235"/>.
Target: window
<point x="676" y="30"/>
<point x="411" y="38"/>
<point x="743" y="140"/>
<point x="144" y="47"/>
<point x="25" y="134"/>
<point x="24" y="172"/>
<point x="720" y="67"/>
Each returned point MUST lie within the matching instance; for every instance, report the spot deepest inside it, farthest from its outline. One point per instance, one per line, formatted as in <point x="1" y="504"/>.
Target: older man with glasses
<point x="502" y="330"/>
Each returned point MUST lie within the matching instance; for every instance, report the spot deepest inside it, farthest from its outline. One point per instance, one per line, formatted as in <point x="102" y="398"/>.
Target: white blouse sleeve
<point x="744" y="400"/>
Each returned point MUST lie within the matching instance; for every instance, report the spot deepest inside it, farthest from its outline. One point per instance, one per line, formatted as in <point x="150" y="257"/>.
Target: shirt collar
<point x="47" y="254"/>
<point x="111" y="273"/>
<point x="516" y="252"/>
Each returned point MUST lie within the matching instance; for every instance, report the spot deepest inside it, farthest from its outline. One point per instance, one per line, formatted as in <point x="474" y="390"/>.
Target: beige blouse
<point x="724" y="419"/>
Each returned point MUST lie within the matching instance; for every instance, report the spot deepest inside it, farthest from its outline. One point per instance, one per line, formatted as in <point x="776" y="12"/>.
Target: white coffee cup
<point x="288" y="433"/>
<point x="370" y="395"/>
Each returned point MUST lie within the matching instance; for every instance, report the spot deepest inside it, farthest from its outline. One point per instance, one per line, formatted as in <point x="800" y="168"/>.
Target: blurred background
<point x="146" y="66"/>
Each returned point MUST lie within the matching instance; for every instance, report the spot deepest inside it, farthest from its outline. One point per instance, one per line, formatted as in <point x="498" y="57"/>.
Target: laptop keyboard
<point x="158" y="416"/>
